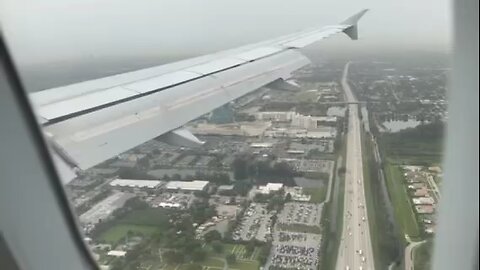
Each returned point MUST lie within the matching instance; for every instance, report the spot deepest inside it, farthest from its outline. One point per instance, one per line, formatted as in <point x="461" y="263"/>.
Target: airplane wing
<point x="89" y="122"/>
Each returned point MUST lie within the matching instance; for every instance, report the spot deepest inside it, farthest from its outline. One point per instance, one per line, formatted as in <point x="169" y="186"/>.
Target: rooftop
<point x="135" y="183"/>
<point x="195" y="185"/>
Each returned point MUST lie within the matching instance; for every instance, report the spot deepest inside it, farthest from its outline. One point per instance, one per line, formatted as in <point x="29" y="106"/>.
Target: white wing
<point x="92" y="121"/>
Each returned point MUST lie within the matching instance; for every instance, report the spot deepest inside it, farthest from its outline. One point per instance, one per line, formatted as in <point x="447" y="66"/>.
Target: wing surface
<point x="90" y="122"/>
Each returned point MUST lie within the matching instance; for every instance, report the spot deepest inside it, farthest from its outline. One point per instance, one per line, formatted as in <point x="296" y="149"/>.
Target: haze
<point x="77" y="32"/>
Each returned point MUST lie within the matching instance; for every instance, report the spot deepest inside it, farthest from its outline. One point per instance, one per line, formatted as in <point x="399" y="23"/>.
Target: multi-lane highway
<point x="355" y="251"/>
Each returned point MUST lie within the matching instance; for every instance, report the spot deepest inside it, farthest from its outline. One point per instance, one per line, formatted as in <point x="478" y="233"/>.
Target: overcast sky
<point x="65" y="30"/>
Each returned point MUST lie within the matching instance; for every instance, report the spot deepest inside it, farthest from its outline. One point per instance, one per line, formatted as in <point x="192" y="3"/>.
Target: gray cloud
<point x="109" y="36"/>
<point x="56" y="30"/>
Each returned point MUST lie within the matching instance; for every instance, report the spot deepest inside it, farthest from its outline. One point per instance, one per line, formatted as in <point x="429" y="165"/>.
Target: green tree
<point x="199" y="255"/>
<point x="172" y="257"/>
<point x="212" y="236"/>
<point x="217" y="246"/>
<point x="240" y="168"/>
<point x="194" y="266"/>
<point x="231" y="258"/>
<point x="250" y="247"/>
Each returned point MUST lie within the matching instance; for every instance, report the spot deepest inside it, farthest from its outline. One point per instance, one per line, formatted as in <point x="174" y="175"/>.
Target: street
<point x="355" y="245"/>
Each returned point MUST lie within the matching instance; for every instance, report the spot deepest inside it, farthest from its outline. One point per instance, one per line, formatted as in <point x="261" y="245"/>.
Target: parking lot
<point x="256" y="223"/>
<point x="301" y="213"/>
<point x="296" y="257"/>
<point x="294" y="250"/>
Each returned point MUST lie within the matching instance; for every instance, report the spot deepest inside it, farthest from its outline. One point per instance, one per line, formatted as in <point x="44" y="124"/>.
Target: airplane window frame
<point x="59" y="201"/>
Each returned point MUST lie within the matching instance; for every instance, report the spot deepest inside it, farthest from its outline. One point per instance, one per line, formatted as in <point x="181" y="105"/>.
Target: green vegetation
<point x="300" y="228"/>
<point x="317" y="194"/>
<point x="383" y="235"/>
<point x="423" y="256"/>
<point x="416" y="146"/>
<point x="331" y="216"/>
<point x="317" y="175"/>
<point x="404" y="214"/>
<point x="422" y="145"/>
<point x="150" y="217"/>
<point x="307" y="96"/>
<point x="120" y="231"/>
<point x="236" y="254"/>
<point x="246" y="167"/>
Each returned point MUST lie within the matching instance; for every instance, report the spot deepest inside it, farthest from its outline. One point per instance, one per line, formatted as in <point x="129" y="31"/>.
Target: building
<point x="275" y="116"/>
<point x="104" y="208"/>
<point x="261" y="145"/>
<point x="423" y="200"/>
<point x="424" y="209"/>
<point x="141" y="184"/>
<point x="312" y="122"/>
<point x="187" y="186"/>
<point x="117" y="253"/>
<point x="270" y="187"/>
<point x="422" y="192"/>
<point x="226" y="190"/>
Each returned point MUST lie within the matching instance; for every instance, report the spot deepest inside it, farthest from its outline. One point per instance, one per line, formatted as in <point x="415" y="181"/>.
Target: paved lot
<point x="255" y="224"/>
<point x="301" y="213"/>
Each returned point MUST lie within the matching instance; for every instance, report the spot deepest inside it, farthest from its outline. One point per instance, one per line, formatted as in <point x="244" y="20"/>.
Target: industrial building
<point x="187" y="186"/>
<point x="131" y="183"/>
<point x="104" y="208"/>
<point x="269" y="188"/>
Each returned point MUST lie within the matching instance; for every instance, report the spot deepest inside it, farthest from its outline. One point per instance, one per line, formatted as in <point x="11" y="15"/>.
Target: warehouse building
<point x="187" y="186"/>
<point x="139" y="184"/>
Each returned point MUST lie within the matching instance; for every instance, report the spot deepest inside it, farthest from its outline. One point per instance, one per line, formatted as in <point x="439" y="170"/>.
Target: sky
<point x="71" y="31"/>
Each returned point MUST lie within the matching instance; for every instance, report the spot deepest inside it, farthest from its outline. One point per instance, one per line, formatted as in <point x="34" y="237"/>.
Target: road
<point x="409" y="255"/>
<point x="355" y="245"/>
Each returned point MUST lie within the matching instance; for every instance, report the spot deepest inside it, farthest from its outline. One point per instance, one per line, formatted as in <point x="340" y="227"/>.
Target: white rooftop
<point x="270" y="187"/>
<point x="135" y="183"/>
<point x="195" y="185"/>
<point x="117" y="253"/>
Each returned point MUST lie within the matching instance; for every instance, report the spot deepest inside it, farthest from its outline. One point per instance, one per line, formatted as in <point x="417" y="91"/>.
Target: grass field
<point x="307" y="96"/>
<point x="386" y="239"/>
<point x="317" y="194"/>
<point x="404" y="214"/>
<point x="151" y="217"/>
<point x="216" y="261"/>
<point x="423" y="256"/>
<point x="117" y="232"/>
<point x="412" y="152"/>
<point x="369" y="199"/>
<point x="335" y="233"/>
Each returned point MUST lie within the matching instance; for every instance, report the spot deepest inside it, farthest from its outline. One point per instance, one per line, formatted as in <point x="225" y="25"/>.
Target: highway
<point x="355" y="251"/>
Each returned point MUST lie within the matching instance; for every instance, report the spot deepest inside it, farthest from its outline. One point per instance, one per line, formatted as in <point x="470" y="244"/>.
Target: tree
<point x="194" y="266"/>
<point x="199" y="255"/>
<point x="231" y="258"/>
<point x="242" y="187"/>
<point x="288" y="197"/>
<point x="240" y="168"/>
<point x="250" y="247"/>
<point x="171" y="257"/>
<point x="212" y="236"/>
<point x="217" y="246"/>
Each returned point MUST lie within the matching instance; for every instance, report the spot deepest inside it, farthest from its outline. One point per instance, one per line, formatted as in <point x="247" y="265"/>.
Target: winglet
<point x="352" y="30"/>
